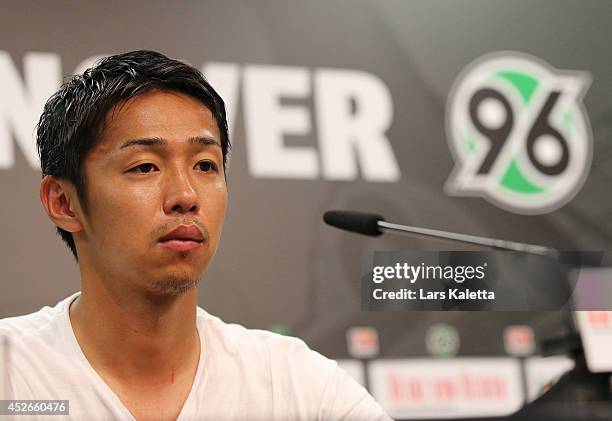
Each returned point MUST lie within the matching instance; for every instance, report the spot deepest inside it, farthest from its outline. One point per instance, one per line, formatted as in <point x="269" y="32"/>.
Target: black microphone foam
<point x="360" y="222"/>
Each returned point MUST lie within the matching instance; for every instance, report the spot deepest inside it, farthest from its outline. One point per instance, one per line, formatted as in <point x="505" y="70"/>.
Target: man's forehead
<point x="164" y="115"/>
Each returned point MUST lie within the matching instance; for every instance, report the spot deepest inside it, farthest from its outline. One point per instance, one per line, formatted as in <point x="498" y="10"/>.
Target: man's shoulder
<point x="236" y="335"/>
<point x="271" y="354"/>
<point x="299" y="376"/>
<point x="30" y="324"/>
<point x="272" y="349"/>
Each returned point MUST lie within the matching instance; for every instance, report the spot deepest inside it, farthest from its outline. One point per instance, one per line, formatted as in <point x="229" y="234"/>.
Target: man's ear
<point x="60" y="200"/>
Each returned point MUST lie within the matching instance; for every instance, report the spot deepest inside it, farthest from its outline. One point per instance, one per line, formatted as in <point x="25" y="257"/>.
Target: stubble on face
<point x="173" y="285"/>
<point x="176" y="284"/>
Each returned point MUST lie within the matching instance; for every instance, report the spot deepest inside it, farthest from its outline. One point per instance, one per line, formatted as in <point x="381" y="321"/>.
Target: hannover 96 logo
<point x="519" y="133"/>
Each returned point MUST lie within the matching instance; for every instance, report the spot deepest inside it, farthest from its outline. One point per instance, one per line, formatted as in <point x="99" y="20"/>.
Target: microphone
<point x="359" y="222"/>
<point x="375" y="225"/>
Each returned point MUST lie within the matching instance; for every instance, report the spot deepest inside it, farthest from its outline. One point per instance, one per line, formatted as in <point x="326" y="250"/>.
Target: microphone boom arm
<point x="466" y="238"/>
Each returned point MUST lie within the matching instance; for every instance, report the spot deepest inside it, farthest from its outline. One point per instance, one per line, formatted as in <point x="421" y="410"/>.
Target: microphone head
<point x="359" y="222"/>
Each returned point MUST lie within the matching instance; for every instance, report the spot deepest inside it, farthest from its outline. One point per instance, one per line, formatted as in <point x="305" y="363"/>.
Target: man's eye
<point x="143" y="168"/>
<point x="206" y="166"/>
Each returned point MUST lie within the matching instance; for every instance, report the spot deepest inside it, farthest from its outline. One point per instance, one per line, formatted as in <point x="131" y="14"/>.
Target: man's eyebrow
<point x="148" y="141"/>
<point x="204" y="141"/>
<point x="159" y="142"/>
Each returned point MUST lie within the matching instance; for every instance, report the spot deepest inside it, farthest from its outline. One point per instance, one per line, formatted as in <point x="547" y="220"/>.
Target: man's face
<point x="158" y="167"/>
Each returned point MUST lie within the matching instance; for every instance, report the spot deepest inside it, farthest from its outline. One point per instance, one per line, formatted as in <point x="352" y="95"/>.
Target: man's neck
<point x="137" y="338"/>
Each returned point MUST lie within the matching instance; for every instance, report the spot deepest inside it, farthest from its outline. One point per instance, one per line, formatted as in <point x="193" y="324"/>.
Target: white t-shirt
<point x="242" y="374"/>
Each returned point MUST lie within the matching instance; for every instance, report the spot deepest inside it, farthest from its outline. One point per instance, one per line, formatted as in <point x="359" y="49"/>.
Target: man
<point x="133" y="155"/>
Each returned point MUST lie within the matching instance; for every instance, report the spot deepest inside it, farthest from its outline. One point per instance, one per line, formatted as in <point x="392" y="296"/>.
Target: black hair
<point x="73" y="118"/>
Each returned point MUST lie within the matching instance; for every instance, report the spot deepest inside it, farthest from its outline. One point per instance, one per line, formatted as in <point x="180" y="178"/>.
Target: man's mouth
<point x="183" y="238"/>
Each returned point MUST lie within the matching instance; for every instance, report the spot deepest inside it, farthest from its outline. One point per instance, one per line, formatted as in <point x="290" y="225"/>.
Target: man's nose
<point x="181" y="196"/>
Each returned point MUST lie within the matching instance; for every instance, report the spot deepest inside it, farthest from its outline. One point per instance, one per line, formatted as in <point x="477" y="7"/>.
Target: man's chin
<point x="173" y="285"/>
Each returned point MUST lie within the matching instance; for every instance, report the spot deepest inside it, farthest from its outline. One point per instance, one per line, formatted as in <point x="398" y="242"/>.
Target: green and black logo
<point x="519" y="133"/>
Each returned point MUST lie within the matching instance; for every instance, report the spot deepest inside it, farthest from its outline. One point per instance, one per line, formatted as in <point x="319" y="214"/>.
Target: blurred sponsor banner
<point x="519" y="340"/>
<point x="458" y="388"/>
<point x="362" y="342"/>
<point x="465" y="387"/>
<point x="596" y="332"/>
<point x="542" y="373"/>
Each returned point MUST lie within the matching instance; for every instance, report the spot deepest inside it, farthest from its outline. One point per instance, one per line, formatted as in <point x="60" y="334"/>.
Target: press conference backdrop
<point x="345" y="104"/>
